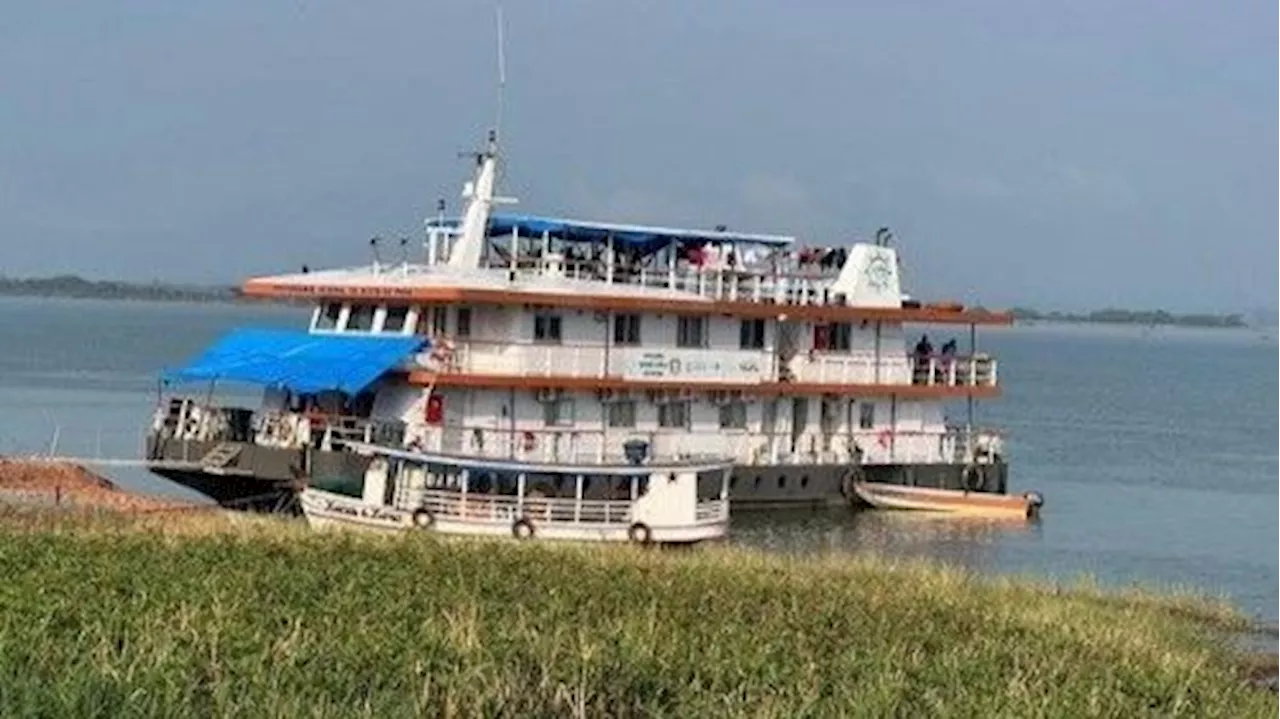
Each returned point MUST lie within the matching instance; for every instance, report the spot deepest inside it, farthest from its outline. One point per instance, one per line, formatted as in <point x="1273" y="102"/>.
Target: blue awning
<point x="638" y="236"/>
<point x="298" y="361"/>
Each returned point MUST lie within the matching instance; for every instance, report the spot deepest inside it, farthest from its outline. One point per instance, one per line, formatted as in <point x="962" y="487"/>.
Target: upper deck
<point x="658" y="270"/>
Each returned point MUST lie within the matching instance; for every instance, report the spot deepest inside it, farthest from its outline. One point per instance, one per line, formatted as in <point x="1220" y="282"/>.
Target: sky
<point x="1057" y="154"/>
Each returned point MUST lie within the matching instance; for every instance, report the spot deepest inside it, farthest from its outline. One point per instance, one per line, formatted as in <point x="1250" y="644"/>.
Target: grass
<point x="102" y="615"/>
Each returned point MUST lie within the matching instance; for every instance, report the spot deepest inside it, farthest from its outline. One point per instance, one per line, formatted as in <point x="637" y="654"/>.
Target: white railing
<point x="754" y="283"/>
<point x="878" y="445"/>
<point x="476" y="506"/>
<point x="864" y="368"/>
<point x="524" y="359"/>
<point x="937" y="370"/>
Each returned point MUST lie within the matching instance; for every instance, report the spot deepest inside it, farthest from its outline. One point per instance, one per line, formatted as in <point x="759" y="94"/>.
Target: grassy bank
<point x="114" y="617"/>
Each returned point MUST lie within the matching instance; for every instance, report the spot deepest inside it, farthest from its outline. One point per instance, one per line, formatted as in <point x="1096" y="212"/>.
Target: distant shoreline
<point x="1150" y="318"/>
<point x="75" y="287"/>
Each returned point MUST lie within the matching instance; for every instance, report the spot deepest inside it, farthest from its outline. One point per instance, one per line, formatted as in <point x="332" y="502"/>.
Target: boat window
<point x="833" y="336"/>
<point x="558" y="413"/>
<point x="866" y="415"/>
<point x="394" y="319"/>
<point x="691" y="331"/>
<point x="751" y="334"/>
<point x="329" y="315"/>
<point x="733" y="415"/>
<point x="546" y="327"/>
<point x="674" y="414"/>
<point x="626" y="329"/>
<point x="828" y="415"/>
<point x="360" y="319"/>
<point x="439" y="321"/>
<point x="464" y="322"/>
<point x="621" y="413"/>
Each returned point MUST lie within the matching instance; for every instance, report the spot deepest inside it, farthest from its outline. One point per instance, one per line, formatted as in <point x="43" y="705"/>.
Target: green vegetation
<point x="1134" y="317"/>
<point x="103" y="616"/>
<point x="75" y="286"/>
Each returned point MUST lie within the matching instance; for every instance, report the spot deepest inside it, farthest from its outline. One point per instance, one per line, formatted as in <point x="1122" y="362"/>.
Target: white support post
<point x="577" y="499"/>
<point x="608" y="259"/>
<point x="515" y="251"/>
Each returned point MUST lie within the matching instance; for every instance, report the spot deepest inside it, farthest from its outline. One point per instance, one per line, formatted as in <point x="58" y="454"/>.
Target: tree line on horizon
<point x="75" y="286"/>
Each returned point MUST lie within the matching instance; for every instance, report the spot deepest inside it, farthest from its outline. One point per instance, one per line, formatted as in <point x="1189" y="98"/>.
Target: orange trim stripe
<point x="905" y="391"/>
<point x="458" y="295"/>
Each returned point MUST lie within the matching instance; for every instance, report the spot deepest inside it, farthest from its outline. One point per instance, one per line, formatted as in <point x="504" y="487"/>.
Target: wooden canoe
<point x="896" y="496"/>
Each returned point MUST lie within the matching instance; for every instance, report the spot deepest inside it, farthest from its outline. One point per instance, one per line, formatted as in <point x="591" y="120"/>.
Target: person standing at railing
<point x="924" y="350"/>
<point x="948" y="360"/>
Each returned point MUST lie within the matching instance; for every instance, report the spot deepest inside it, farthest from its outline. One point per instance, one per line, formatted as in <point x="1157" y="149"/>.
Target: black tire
<point x="972" y="479"/>
<point x="423" y="519"/>
<point x="522" y="529"/>
<point x="639" y="533"/>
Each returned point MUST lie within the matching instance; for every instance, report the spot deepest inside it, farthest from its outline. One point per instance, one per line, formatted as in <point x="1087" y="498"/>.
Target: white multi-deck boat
<point x="535" y="339"/>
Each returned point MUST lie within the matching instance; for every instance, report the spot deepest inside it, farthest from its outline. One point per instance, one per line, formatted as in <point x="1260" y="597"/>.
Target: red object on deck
<point x="435" y="409"/>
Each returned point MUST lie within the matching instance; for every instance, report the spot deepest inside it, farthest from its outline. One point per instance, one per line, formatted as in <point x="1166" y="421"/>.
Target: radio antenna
<point x="502" y="71"/>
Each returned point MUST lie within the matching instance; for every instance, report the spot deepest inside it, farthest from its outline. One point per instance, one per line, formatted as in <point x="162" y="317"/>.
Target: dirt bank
<point x="29" y="481"/>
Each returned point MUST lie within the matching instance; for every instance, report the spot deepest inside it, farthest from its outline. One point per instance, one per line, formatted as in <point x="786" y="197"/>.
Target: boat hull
<point x="276" y="473"/>
<point x="897" y="497"/>
<point x="326" y="510"/>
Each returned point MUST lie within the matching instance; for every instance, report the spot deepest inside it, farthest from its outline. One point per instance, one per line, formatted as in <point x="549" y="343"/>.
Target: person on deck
<point x="924" y="350"/>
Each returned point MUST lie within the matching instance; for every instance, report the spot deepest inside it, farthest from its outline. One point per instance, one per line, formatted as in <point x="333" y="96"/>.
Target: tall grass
<point x="105" y="616"/>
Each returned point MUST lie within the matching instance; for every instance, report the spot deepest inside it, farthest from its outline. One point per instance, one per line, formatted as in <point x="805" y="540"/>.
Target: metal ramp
<point x="217" y="459"/>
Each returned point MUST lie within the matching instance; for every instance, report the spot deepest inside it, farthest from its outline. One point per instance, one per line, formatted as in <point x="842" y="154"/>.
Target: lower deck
<point x="252" y="475"/>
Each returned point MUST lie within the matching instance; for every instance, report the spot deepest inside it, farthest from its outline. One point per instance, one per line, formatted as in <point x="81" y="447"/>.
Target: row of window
<point x="678" y="414"/>
<point x="362" y="318"/>
<point x="622" y="414"/>
<point x="691" y="332"/>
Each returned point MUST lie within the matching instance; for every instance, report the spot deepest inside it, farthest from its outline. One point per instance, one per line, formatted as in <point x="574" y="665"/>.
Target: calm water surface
<point x="1156" y="449"/>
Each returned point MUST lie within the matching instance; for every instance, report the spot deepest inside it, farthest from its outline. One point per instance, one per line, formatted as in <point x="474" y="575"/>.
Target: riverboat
<point x="537" y="339"/>
<point x="638" y="501"/>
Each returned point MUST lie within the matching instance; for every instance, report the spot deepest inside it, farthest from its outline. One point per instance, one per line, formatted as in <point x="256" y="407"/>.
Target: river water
<point x="1155" y="448"/>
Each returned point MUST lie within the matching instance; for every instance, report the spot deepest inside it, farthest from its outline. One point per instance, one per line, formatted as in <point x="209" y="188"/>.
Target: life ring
<point x="522" y="529"/>
<point x="971" y="478"/>
<point x="639" y="533"/>
<point x="885" y="438"/>
<point x="528" y="441"/>
<point x="423" y="519"/>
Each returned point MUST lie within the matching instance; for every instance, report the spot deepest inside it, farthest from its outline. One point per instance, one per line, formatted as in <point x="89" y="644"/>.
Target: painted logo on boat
<point x="879" y="271"/>
<point x="360" y="511"/>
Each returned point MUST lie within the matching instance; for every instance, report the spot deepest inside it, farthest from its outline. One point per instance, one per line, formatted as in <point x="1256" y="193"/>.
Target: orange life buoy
<point x="529" y="441"/>
<point x="885" y="438"/>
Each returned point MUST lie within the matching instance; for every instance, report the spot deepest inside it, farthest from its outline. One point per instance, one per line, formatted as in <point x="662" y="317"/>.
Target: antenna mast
<point x="502" y="72"/>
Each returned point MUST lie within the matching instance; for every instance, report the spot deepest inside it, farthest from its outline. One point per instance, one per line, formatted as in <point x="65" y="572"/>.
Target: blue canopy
<point x="638" y="236"/>
<point x="298" y="361"/>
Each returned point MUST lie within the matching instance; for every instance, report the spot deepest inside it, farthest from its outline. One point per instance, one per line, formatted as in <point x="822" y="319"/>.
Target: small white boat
<point x="895" y="496"/>
<point x="674" y="502"/>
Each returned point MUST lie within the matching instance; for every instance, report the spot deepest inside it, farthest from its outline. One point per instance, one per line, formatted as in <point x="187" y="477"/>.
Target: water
<point x="1153" y="447"/>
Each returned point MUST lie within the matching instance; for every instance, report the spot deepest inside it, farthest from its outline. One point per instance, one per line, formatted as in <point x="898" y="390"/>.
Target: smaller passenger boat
<point x="895" y="496"/>
<point x="642" y="502"/>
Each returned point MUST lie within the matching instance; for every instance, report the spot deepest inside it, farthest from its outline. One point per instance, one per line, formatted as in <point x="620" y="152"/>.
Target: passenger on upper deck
<point x="924" y="350"/>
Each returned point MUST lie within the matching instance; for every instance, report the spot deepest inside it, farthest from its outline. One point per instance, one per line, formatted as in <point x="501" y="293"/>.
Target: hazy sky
<point x="1061" y="154"/>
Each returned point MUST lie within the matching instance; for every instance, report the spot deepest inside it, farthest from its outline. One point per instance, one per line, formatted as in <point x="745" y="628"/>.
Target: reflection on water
<point x="970" y="542"/>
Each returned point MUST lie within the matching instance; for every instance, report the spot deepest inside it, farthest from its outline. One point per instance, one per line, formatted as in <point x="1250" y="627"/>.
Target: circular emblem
<point x="674" y="366"/>
<point x="878" y="272"/>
